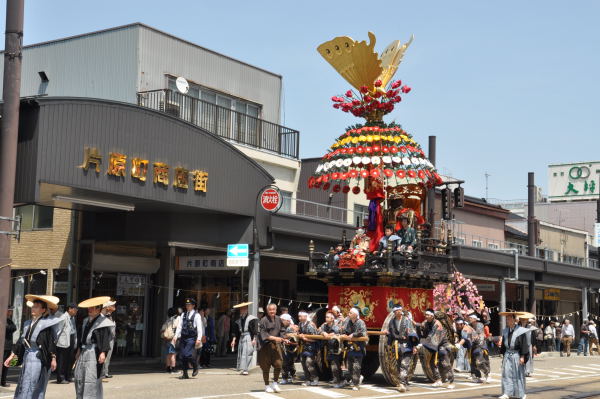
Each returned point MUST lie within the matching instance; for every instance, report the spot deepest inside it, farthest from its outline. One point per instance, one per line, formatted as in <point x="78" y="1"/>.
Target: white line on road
<point x="556" y="372"/>
<point x="431" y="391"/>
<point x="377" y="389"/>
<point x="263" y="395"/>
<point x="581" y="371"/>
<point x="586" y="367"/>
<point x="325" y="392"/>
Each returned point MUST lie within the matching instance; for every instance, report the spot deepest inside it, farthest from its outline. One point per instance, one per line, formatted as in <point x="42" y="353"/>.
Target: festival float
<point x="386" y="164"/>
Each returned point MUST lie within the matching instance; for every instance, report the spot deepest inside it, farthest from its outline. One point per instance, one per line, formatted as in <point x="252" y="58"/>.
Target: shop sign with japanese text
<point x="160" y="173"/>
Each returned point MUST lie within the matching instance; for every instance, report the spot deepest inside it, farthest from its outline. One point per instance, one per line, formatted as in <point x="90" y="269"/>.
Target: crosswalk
<point x="372" y="391"/>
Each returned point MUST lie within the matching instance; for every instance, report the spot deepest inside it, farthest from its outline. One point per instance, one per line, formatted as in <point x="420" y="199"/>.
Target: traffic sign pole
<point x="270" y="200"/>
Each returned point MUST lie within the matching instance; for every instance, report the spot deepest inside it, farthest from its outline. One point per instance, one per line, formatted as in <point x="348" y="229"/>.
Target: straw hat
<point x="93" y="302"/>
<point x="50" y="300"/>
<point x="526" y="315"/>
<point x="514" y="314"/>
<point x="241" y="305"/>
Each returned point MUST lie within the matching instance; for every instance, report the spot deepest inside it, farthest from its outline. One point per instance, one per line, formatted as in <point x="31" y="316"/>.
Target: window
<point x="493" y="245"/>
<point x="286" y="203"/>
<point x="477" y="244"/>
<point x="35" y="217"/>
<point x="361" y="212"/>
<point x="459" y="240"/>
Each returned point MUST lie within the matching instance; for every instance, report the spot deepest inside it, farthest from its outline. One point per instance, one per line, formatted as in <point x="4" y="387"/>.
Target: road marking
<point x="557" y="372"/>
<point x="378" y="389"/>
<point x="581" y="371"/>
<point x="325" y="392"/>
<point x="586" y="367"/>
<point x="263" y="395"/>
<point x="431" y="390"/>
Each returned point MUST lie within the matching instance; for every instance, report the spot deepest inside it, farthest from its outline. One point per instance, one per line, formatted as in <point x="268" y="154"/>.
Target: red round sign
<point x="270" y="200"/>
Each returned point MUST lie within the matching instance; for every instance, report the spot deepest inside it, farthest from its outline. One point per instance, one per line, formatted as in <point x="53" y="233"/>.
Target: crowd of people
<point x="51" y="342"/>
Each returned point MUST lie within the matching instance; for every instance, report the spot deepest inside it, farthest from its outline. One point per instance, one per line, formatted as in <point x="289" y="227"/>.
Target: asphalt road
<point x="554" y="377"/>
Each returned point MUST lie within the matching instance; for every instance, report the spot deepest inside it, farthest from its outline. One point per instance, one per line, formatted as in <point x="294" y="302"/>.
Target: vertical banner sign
<point x="597" y="235"/>
<point x="271" y="199"/>
<point x="374" y="303"/>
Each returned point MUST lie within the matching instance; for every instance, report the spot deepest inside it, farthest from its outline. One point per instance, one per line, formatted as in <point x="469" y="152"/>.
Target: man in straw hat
<point x="190" y="330"/>
<point x="245" y="330"/>
<point x="515" y="349"/>
<point x="93" y="346"/>
<point x="527" y="321"/>
<point x="36" y="349"/>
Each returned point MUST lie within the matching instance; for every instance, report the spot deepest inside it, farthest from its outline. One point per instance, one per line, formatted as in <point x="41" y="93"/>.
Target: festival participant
<point x="245" y="331"/>
<point x="403" y="336"/>
<point x="289" y="356"/>
<point x="389" y="236"/>
<point x="93" y="346"/>
<point x="270" y="352"/>
<point x="446" y="350"/>
<point x="432" y="336"/>
<point x="463" y="345"/>
<point x="309" y="349"/>
<point x="107" y="310"/>
<point x="354" y="327"/>
<point x="66" y="345"/>
<point x="338" y="317"/>
<point x="408" y="236"/>
<point x="336" y="254"/>
<point x="189" y="332"/>
<point x="480" y="361"/>
<point x="36" y="349"/>
<point x="8" y="344"/>
<point x="526" y="320"/>
<point x="330" y="329"/>
<point x="515" y="349"/>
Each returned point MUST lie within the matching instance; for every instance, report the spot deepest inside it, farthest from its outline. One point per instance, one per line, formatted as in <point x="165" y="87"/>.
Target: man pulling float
<point x="402" y="336"/>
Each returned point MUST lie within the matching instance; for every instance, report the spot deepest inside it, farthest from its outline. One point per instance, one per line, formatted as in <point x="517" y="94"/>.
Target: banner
<point x="375" y="303"/>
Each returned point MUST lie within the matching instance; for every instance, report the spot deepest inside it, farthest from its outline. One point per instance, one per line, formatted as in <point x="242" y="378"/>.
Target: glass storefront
<point x="129" y="290"/>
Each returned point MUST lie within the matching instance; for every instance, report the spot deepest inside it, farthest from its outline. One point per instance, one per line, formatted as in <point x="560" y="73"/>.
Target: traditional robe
<point x="246" y="328"/>
<point x="95" y="338"/>
<point x="34" y="350"/>
<point x="529" y="365"/>
<point x="514" y="346"/>
<point x="403" y="335"/>
<point x="463" y="357"/>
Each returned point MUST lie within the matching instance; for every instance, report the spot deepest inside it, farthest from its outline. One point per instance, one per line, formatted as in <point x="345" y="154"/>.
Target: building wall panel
<point x="102" y="65"/>
<point x="161" y="54"/>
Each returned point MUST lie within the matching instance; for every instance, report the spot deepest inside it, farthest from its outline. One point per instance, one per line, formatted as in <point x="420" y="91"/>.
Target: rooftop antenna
<point x="487" y="175"/>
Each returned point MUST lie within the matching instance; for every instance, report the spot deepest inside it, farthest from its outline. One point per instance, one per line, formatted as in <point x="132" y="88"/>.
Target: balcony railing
<point x="300" y="207"/>
<point x="224" y="122"/>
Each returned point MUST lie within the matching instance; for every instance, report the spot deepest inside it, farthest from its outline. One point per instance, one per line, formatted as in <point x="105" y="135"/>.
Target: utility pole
<point x="9" y="133"/>
<point x="431" y="192"/>
<point x="487" y="175"/>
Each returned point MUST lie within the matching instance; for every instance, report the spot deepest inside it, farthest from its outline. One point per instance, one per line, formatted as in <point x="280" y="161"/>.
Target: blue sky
<point x="507" y="87"/>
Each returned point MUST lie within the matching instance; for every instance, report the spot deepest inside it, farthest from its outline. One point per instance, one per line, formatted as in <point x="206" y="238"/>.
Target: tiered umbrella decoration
<point x="375" y="151"/>
<point x="379" y="151"/>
